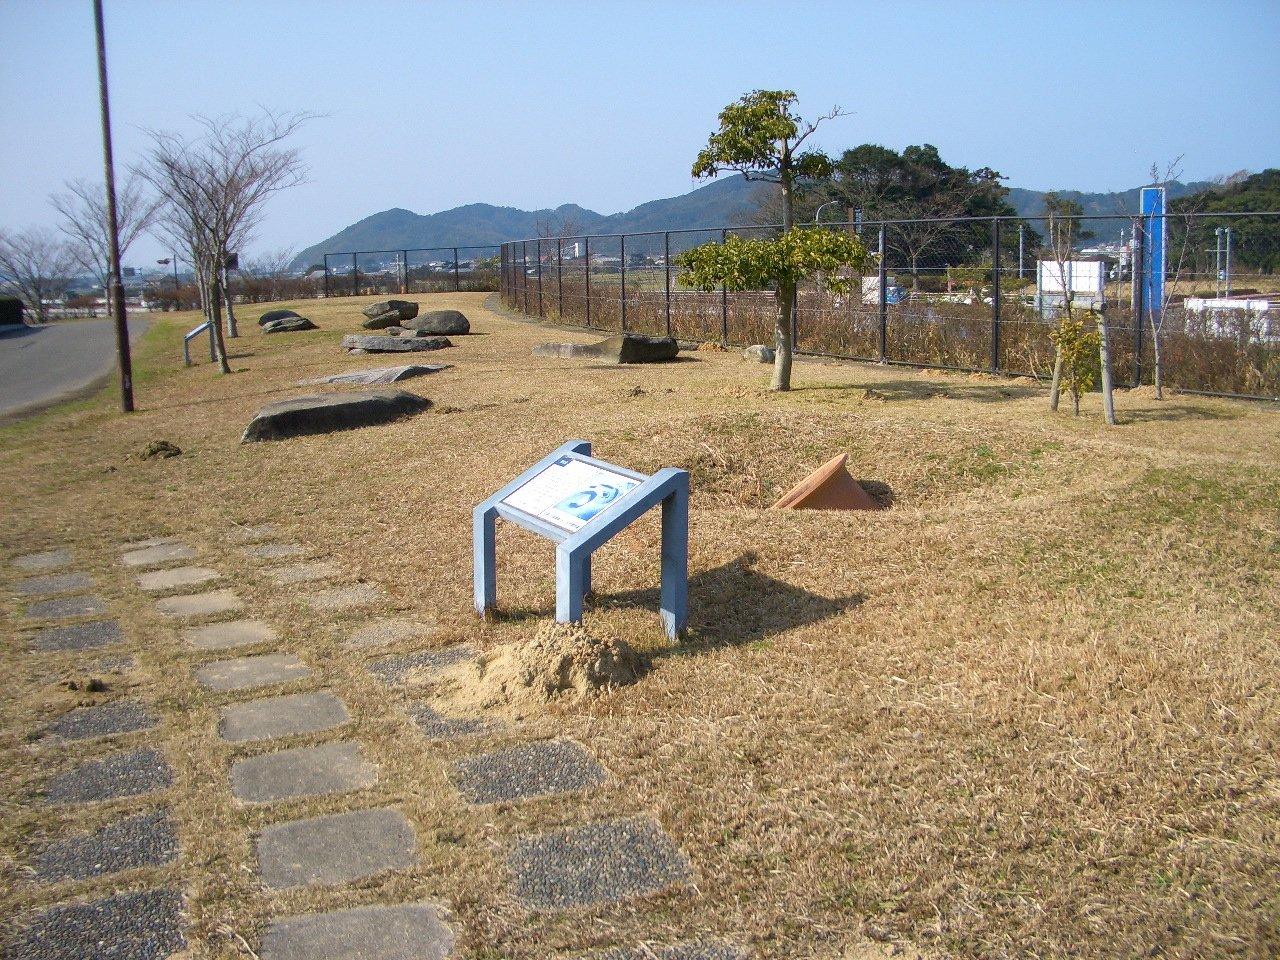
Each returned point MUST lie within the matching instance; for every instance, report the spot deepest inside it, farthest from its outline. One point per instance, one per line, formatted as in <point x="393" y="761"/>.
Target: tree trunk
<point x="1055" y="386"/>
<point x="232" y="329"/>
<point x="1156" y="371"/>
<point x="785" y="297"/>
<point x="220" y="346"/>
<point x="1104" y="357"/>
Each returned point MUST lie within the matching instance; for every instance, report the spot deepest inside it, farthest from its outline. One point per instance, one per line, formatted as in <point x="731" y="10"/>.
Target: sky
<point x="429" y="105"/>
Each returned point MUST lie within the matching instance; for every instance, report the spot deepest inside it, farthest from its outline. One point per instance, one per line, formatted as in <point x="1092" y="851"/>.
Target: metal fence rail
<point x="958" y="293"/>
<point x="411" y="270"/>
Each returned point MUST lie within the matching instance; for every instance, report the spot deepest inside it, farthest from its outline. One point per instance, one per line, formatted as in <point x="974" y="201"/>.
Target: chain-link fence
<point x="975" y="294"/>
<point x="424" y="270"/>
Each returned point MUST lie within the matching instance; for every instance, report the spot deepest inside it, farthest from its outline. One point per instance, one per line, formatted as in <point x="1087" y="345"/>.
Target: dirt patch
<point x="560" y="663"/>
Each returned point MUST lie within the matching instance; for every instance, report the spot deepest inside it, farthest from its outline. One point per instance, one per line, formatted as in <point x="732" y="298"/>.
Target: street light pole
<point x="818" y="213"/>
<point x="113" y="227"/>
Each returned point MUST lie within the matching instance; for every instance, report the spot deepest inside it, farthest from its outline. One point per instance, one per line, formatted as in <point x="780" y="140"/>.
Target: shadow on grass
<point x="1170" y="412"/>
<point x="993" y="392"/>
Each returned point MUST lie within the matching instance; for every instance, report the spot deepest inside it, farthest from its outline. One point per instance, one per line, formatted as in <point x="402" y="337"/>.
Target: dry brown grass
<point x="1030" y="710"/>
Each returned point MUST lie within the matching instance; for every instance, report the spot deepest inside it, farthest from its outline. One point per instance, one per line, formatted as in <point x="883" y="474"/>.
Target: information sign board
<point x="570" y="492"/>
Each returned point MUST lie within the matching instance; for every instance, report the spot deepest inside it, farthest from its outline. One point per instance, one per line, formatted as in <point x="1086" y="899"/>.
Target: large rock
<point x="758" y="352"/>
<point x="288" y="325"/>
<point x="376" y="375"/>
<point x="272" y="315"/>
<point x="325" y="413"/>
<point x="371" y="343"/>
<point x="439" y="321"/>
<point x="623" y="348"/>
<point x="389" y="313"/>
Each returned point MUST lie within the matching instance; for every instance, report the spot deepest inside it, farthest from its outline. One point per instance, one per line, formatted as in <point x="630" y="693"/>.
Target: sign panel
<point x="1153" y="248"/>
<point x="569" y="492"/>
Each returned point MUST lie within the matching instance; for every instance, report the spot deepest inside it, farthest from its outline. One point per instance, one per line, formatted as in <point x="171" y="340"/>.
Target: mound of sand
<point x="561" y="663"/>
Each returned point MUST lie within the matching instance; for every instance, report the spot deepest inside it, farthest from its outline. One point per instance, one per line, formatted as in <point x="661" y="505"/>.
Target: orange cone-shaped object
<point x="828" y="488"/>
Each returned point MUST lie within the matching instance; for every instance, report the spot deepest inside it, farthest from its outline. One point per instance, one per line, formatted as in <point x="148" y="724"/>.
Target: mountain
<point x="727" y="200"/>
<point x="1030" y="203"/>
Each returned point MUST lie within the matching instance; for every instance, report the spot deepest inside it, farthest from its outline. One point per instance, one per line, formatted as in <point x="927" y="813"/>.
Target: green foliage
<point x="779" y="263"/>
<point x="1255" y="240"/>
<point x="757" y="135"/>
<point x="1077" y="342"/>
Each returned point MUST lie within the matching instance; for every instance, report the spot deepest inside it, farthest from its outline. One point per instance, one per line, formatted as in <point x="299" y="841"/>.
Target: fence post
<point x="457" y="282"/>
<point x="560" y="277"/>
<point x="539" y="249"/>
<point x="524" y="272"/>
<point x="326" y="279"/>
<point x="622" y="258"/>
<point x="666" y="260"/>
<point x="1139" y="293"/>
<point x="724" y="303"/>
<point x="995" y="294"/>
<point x="586" y="269"/>
<point x="883" y="274"/>
<point x="355" y="274"/>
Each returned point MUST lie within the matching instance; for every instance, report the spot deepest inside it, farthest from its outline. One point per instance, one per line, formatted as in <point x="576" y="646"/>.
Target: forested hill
<point x="1030" y="203"/>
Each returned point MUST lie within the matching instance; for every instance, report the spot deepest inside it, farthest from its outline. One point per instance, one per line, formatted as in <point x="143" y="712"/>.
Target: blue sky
<point x="431" y="105"/>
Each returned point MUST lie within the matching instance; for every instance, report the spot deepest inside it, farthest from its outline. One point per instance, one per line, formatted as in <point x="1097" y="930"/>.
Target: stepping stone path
<point x="393" y="671"/>
<point x="436" y="727"/>
<point x="337" y="599"/>
<point x="302" y="772"/>
<point x="54" y="583"/>
<point x="228" y="634"/>
<point x="157" y="555"/>
<point x="144" y="925"/>
<point x="528" y="770"/>
<point x="148" y="543"/>
<point x="143" y="840"/>
<point x="176" y="577"/>
<point x="245" y="673"/>
<point x="411" y="931"/>
<point x="337" y="849"/>
<point x="200" y="604"/>
<point x="281" y="717"/>
<point x="85" y="723"/>
<point x="276" y="551"/>
<point x="77" y="636"/>
<point x="602" y="862"/>
<point x="84" y="606"/>
<point x="251" y="534"/>
<point x="116" y="776"/>
<point x="382" y="633"/>
<point x="46" y="560"/>
<point x="305" y="572"/>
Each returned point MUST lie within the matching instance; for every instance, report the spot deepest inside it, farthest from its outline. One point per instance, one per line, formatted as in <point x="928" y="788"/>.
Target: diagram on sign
<point x="569" y="492"/>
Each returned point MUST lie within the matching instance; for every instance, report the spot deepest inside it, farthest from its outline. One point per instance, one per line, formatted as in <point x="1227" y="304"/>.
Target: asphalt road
<point x="42" y="365"/>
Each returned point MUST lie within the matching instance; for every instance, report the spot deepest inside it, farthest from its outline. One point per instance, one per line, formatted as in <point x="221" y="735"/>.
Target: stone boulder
<point x="759" y="353"/>
<point x="623" y="348"/>
<point x="388" y="313"/>
<point x="376" y="375"/>
<point x="372" y="343"/>
<point x="447" y="322"/>
<point x="288" y="325"/>
<point x="325" y="413"/>
<point x="273" y="315"/>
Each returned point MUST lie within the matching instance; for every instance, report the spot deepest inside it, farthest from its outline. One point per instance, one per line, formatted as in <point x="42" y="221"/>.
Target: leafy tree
<point x="761" y="136"/>
<point x="780" y="263"/>
<point x="1077" y="347"/>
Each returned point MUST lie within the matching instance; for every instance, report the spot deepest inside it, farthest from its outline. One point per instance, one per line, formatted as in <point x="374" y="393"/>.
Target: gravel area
<point x="143" y="840"/>
<point x="437" y="727"/>
<point x="86" y="605"/>
<point x="392" y="670"/>
<point x="77" y="636"/>
<point x="528" y="770"/>
<point x="144" y="925"/>
<point x="54" y="583"/>
<point x="84" y="723"/>
<point x="119" y="775"/>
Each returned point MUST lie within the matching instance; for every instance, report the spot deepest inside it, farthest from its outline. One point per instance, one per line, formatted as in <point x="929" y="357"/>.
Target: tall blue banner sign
<point x="1153" y="249"/>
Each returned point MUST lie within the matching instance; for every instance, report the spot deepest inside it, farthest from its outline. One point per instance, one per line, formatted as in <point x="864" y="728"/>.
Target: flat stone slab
<point x="348" y="597"/>
<point x="87" y="605"/>
<point x="411" y="931"/>
<point x="394" y="670"/>
<point x="228" y="634"/>
<point x="251" y="534"/>
<point x="602" y="862"/>
<point x="623" y="348"/>
<point x="143" y="840"/>
<point x="108" y="720"/>
<point x="328" y="412"/>
<point x="302" y="772"/>
<point x="244" y="673"/>
<point x="702" y="950"/>
<point x="143" y="925"/>
<point x="44" y="560"/>
<point x="305" y="572"/>
<point x="373" y="343"/>
<point x="177" y="577"/>
<point x="527" y="770"/>
<point x="337" y="849"/>
<point x="149" y="542"/>
<point x="77" y="636"/>
<point x="157" y="555"/>
<point x="379" y="375"/>
<point x="435" y="726"/>
<point x="382" y="633"/>
<point x="281" y="716"/>
<point x="53" y="583"/>
<point x="276" y="551"/>
<point x="200" y="604"/>
<point x="119" y="775"/>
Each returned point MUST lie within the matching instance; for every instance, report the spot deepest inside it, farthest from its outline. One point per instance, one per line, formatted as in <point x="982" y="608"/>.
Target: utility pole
<point x="113" y="228"/>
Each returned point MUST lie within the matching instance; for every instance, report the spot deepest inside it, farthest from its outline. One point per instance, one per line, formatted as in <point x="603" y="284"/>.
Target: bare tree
<point x="270" y="268"/>
<point x="36" y="265"/>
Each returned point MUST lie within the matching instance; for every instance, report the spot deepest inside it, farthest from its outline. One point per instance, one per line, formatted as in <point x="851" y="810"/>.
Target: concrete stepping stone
<point x="228" y="634"/>
<point x="142" y="925"/>
<point x="302" y="772"/>
<point x="86" y="723"/>
<point x="77" y="636"/>
<point x="118" y="775"/>
<point x="276" y="551"/>
<point x="281" y="717"/>
<point x="305" y="572"/>
<point x="143" y="840"/>
<point x="382" y="633"/>
<point x="251" y="534"/>
<point x="54" y="583"/>
<point x="602" y="862"/>
<point x="176" y="577"/>
<point x="45" y="560"/>
<point x="528" y="770"/>
<point x="336" y="599"/>
<point x="324" y="851"/>
<point x="702" y="950"/>
<point x="435" y="726"/>
<point x="411" y="931"/>
<point x="87" y="605"/>
<point x="200" y="604"/>
<point x="244" y="673"/>
<point x="157" y="555"/>
<point x="393" y="671"/>
<point x="114" y="664"/>
<point x="148" y="543"/>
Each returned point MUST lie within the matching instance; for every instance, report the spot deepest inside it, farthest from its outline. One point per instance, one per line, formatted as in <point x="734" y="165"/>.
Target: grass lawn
<point x="1030" y="710"/>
